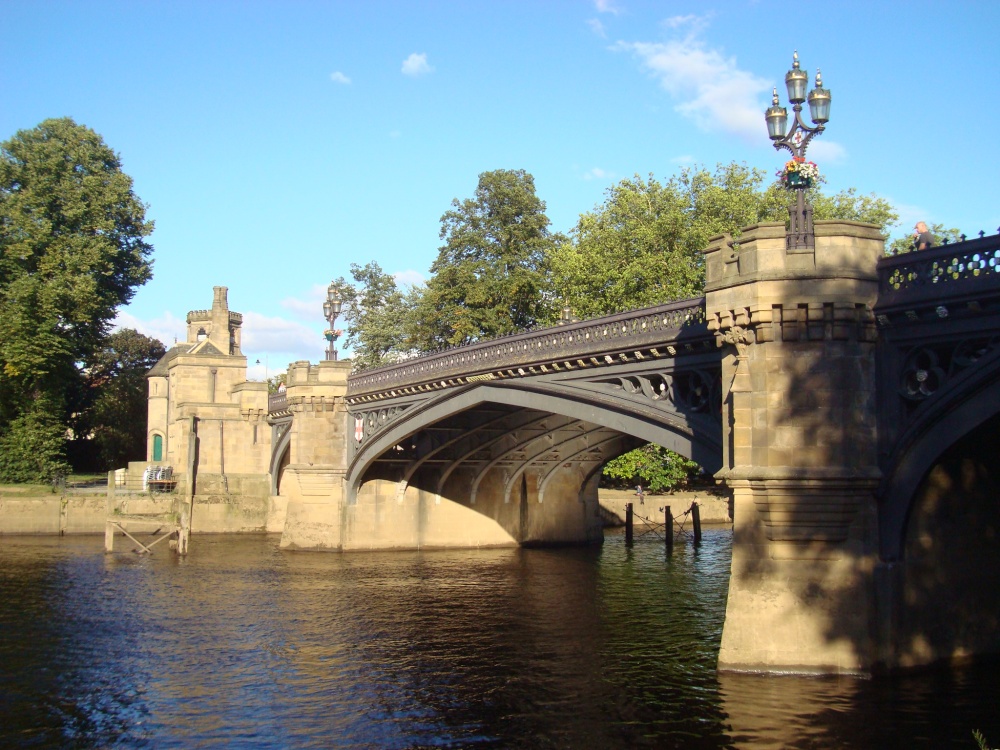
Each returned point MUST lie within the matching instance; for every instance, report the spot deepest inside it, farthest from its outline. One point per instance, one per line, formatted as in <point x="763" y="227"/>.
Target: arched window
<point x="157" y="447"/>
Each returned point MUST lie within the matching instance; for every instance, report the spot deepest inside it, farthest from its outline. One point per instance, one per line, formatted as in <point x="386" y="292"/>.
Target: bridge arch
<point x="969" y="402"/>
<point x="608" y="420"/>
<point x="280" y="455"/>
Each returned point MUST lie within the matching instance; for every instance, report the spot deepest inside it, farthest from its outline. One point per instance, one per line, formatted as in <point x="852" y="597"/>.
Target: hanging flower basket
<point x="796" y="180"/>
<point x="332" y="334"/>
<point x="798" y="173"/>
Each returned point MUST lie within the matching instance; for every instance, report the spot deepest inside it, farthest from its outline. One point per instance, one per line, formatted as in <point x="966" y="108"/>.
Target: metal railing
<point x="674" y="323"/>
<point x="277" y="402"/>
<point x="946" y="271"/>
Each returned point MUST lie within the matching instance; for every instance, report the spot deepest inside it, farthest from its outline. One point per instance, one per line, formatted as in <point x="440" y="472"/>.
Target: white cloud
<point x="409" y="277"/>
<point x="696" y="23"/>
<point x="338" y="77"/>
<point x="709" y="88"/>
<point x="683" y="159"/>
<point x="596" y="173"/>
<point x="416" y="65"/>
<point x="826" y="152"/>
<point x="166" y="328"/>
<point x="265" y="334"/>
<point x="607" y="6"/>
<point x="310" y="307"/>
<point x="597" y="27"/>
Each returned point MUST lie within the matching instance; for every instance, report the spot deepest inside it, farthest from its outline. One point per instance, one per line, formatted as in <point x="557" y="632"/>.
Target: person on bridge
<point x="924" y="239"/>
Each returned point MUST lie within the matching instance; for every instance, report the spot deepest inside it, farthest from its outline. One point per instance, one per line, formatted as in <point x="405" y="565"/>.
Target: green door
<point x="157" y="447"/>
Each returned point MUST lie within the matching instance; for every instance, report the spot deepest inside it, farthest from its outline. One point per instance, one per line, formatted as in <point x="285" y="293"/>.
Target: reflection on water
<point x="243" y="645"/>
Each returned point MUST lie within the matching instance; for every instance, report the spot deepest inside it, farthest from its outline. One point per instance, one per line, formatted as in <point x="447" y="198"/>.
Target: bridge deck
<point x="676" y="325"/>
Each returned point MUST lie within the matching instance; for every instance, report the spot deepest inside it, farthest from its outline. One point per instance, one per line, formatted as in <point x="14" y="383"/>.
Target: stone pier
<point x="799" y="436"/>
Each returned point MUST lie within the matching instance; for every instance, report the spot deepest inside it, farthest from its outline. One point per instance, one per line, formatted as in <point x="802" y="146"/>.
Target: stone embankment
<point x="38" y="510"/>
<point x="713" y="505"/>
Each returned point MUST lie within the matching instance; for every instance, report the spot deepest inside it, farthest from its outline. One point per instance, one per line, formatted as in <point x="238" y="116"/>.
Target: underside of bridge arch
<point x="946" y="601"/>
<point x="510" y="465"/>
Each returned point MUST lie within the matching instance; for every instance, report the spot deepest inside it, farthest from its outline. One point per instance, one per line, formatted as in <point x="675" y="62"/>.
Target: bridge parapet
<point x="611" y="339"/>
<point x="964" y="274"/>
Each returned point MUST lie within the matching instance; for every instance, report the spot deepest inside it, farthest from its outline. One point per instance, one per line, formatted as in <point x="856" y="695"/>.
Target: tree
<point x="491" y="276"/>
<point x="33" y="447"/>
<point x="72" y="250"/>
<point x="643" y="245"/>
<point x="376" y="312"/>
<point x="116" y="420"/>
<point x="274" y="382"/>
<point x="940" y="233"/>
<point x="850" y="206"/>
<point x="654" y="467"/>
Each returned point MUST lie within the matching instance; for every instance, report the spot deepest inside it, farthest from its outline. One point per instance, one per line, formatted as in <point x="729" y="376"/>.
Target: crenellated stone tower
<point x="201" y="385"/>
<point x="800" y="458"/>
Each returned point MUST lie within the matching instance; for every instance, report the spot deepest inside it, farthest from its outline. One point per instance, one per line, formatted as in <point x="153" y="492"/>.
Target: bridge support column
<point x="314" y="478"/>
<point x="799" y="445"/>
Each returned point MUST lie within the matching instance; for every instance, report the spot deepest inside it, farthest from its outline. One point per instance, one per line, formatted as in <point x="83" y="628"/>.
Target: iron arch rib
<point x="697" y="436"/>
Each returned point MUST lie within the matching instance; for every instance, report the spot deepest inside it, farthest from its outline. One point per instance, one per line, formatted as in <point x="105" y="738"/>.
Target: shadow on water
<point x="241" y="645"/>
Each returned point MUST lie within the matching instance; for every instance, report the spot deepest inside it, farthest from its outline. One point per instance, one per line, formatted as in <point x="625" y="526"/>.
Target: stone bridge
<point x="848" y="402"/>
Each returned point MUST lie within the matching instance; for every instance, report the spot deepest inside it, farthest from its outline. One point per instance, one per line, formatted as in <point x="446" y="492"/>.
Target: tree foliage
<point x="32" y="448"/>
<point x="940" y="233"/>
<point x="643" y="245"/>
<point x="116" y="381"/>
<point x="376" y="312"/>
<point x="491" y="276"/>
<point x="654" y="467"/>
<point x="72" y="250"/>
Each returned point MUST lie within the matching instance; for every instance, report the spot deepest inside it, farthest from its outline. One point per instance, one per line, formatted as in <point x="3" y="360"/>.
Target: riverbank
<point x="712" y="504"/>
<point x="36" y="509"/>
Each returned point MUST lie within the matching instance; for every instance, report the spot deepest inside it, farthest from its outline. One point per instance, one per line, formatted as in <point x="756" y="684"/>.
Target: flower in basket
<point x="332" y="334"/>
<point x="798" y="171"/>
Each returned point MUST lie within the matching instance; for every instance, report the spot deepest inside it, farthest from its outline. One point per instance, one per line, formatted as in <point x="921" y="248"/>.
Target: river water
<point x="242" y="645"/>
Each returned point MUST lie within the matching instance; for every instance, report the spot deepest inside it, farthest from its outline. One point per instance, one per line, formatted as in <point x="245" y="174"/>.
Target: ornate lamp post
<point x="798" y="173"/>
<point x="331" y="309"/>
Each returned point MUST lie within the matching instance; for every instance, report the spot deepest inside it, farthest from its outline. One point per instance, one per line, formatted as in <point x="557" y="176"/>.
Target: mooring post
<point x="109" y="509"/>
<point x="187" y="510"/>
<point x="668" y="526"/>
<point x="696" y="519"/>
<point x="628" y="523"/>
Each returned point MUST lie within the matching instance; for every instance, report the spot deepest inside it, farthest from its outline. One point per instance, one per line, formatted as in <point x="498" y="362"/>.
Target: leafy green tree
<point x="851" y="206"/>
<point x="274" y="382"/>
<point x="643" y="245"/>
<point x="72" y="250"/>
<point x="654" y="467"/>
<point x="116" y="379"/>
<point x="940" y="233"/>
<point x="491" y="276"/>
<point x="376" y="312"/>
<point x="32" y="448"/>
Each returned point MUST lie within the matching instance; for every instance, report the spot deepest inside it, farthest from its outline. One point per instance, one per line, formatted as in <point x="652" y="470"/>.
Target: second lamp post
<point x="331" y="309"/>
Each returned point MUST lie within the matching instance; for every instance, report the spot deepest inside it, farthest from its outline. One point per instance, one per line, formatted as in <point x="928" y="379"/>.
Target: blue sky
<point x="278" y="142"/>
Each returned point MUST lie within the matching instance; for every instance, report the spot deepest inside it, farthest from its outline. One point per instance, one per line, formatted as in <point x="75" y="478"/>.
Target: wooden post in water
<point x="696" y="518"/>
<point x="668" y="526"/>
<point x="109" y="509"/>
<point x="628" y="523"/>
<point x="184" y="532"/>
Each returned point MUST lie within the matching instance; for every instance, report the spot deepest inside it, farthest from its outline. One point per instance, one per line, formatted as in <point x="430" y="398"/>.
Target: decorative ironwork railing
<point x="676" y="323"/>
<point x="945" y="270"/>
<point x="276" y="402"/>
